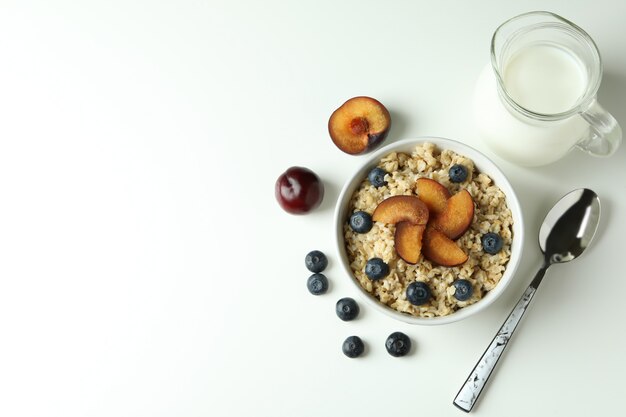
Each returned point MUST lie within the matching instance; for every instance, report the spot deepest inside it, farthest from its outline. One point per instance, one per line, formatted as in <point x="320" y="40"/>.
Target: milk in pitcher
<point x="542" y="78"/>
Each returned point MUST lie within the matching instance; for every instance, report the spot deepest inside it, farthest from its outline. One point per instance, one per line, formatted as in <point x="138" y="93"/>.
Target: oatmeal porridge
<point x="480" y="272"/>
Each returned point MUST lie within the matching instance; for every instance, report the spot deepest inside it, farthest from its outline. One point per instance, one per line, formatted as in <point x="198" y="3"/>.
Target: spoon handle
<point x="477" y="379"/>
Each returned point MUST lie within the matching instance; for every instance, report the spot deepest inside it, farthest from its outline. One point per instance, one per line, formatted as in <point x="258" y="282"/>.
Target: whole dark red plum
<point x="299" y="190"/>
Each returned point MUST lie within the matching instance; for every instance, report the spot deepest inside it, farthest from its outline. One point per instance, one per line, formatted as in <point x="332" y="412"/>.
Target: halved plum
<point x="359" y="125"/>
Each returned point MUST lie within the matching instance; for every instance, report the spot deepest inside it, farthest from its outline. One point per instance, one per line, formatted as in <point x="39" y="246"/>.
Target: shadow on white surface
<point x="400" y="125"/>
<point x="331" y="194"/>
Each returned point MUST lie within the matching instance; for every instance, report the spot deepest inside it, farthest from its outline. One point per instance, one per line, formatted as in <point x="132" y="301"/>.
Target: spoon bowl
<point x="570" y="226"/>
<point x="567" y="230"/>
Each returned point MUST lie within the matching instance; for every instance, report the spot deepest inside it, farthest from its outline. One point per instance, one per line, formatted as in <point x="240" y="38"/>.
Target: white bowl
<point x="483" y="164"/>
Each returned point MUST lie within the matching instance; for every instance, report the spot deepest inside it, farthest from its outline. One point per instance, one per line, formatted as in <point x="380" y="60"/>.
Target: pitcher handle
<point x="605" y="134"/>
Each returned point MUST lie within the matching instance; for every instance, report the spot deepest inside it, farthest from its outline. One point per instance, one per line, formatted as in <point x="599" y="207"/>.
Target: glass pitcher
<point x="536" y="100"/>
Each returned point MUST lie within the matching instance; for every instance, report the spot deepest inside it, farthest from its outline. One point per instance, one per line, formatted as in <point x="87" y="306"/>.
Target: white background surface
<point x="146" y="269"/>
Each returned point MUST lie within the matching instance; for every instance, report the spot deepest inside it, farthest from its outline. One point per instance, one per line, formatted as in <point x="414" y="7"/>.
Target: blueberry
<point x="347" y="309"/>
<point x="376" y="268"/>
<point x="457" y="173"/>
<point x="492" y="243"/>
<point x="353" y="347"/>
<point x="316" y="261"/>
<point x="377" y="177"/>
<point x="317" y="284"/>
<point x="361" y="222"/>
<point x="418" y="293"/>
<point x="463" y="289"/>
<point x="398" y="344"/>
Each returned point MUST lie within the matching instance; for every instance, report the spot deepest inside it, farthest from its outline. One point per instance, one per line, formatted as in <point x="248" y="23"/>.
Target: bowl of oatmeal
<point x="462" y="249"/>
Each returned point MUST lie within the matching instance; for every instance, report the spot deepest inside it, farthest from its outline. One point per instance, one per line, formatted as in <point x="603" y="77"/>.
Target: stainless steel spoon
<point x="565" y="233"/>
